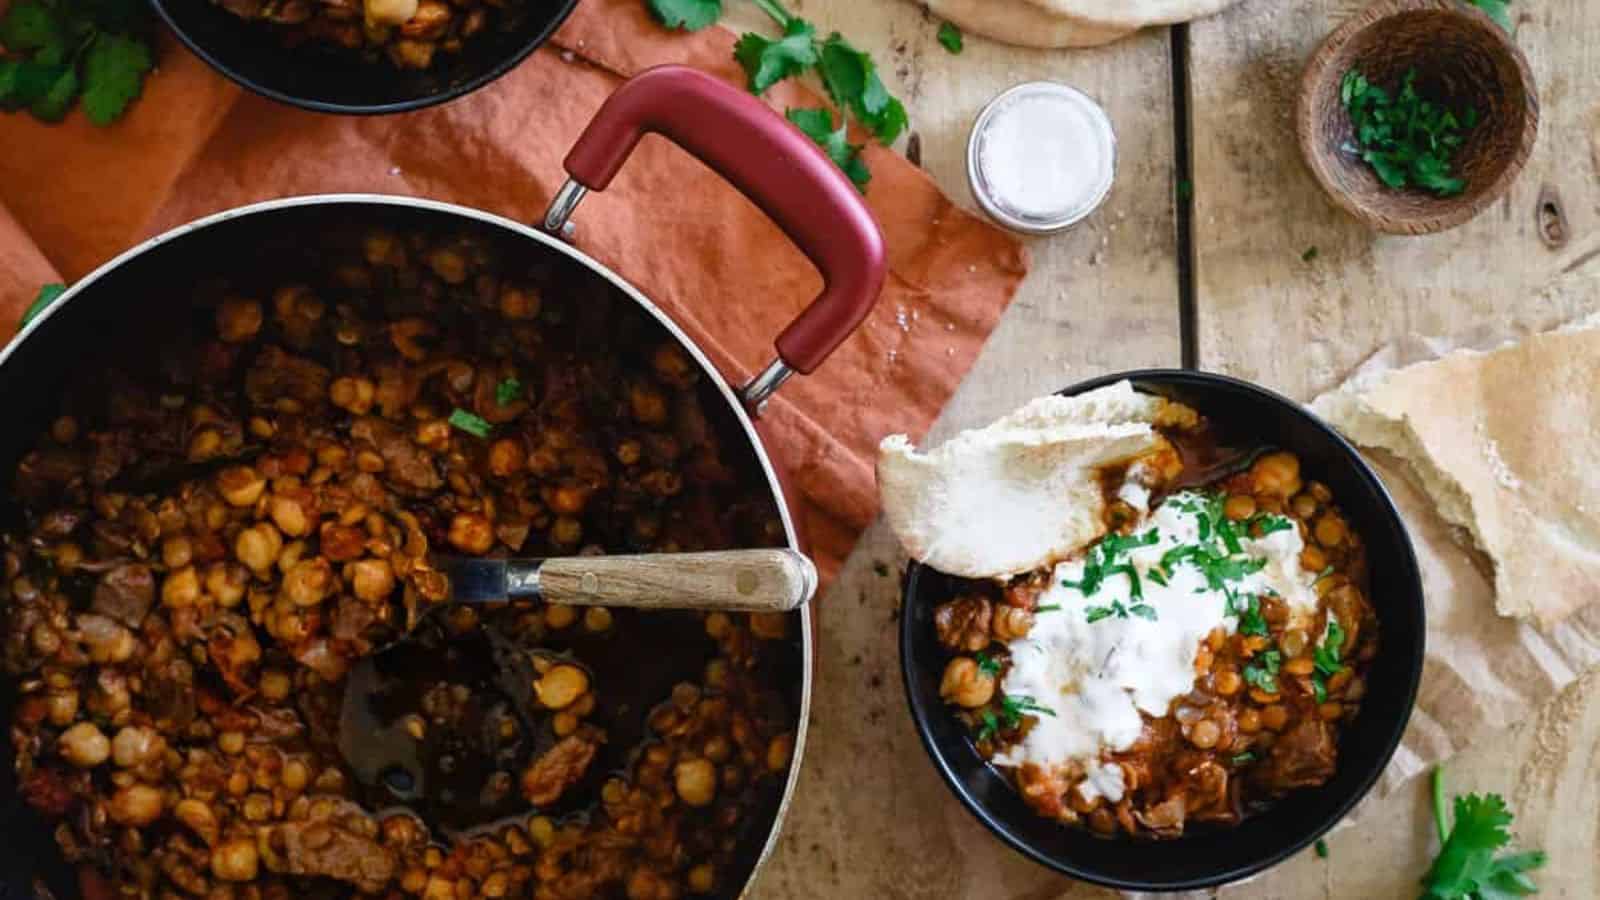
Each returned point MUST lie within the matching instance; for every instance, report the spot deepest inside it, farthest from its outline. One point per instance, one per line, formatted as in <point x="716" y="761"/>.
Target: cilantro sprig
<point x="849" y="76"/>
<point x="1407" y="139"/>
<point x="507" y="391"/>
<point x="1012" y="709"/>
<point x="472" y="424"/>
<point x="1262" y="673"/>
<point x="1325" y="659"/>
<point x="1467" y="867"/>
<point x="951" y="39"/>
<point x="987" y="664"/>
<point x="58" y="51"/>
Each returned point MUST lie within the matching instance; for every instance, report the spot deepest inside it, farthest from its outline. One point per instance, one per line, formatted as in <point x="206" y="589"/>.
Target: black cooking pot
<point x="333" y="80"/>
<point x="772" y="162"/>
<point x="1203" y="857"/>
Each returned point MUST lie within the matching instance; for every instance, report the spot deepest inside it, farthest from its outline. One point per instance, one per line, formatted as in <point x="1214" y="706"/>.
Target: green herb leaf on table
<point x="1498" y="10"/>
<point x="46" y="296"/>
<point x="1466" y="867"/>
<point x="54" y="51"/>
<point x="818" y="125"/>
<point x="113" y="75"/>
<point x="950" y="38"/>
<point x="689" y="15"/>
<point x="471" y="424"/>
<point x="1322" y="848"/>
<point x="767" y="62"/>
<point x="852" y="81"/>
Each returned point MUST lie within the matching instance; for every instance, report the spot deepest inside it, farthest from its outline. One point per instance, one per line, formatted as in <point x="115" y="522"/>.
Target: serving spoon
<point x="456" y="778"/>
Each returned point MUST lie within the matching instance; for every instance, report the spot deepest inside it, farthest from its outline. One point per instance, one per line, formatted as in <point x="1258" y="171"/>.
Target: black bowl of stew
<point x="316" y="73"/>
<point x="1204" y="855"/>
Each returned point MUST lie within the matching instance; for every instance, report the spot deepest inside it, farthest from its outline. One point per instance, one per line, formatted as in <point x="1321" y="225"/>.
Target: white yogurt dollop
<point x="1138" y="654"/>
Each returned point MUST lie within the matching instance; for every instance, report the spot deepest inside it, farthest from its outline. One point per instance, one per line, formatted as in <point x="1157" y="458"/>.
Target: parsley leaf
<point x="507" y="392"/>
<point x="767" y="62"/>
<point x="1498" y="10"/>
<point x="1466" y="867"/>
<point x="1263" y="673"/>
<point x="690" y="15"/>
<point x="950" y="38"/>
<point x="852" y="81"/>
<point x="987" y="664"/>
<point x="1407" y="139"/>
<point x="471" y="424"/>
<point x="818" y="125"/>
<point x="55" y="50"/>
<point x="41" y="302"/>
<point x="113" y="75"/>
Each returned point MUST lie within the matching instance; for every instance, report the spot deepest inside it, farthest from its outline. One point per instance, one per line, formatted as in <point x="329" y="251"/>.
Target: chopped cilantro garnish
<point x="507" y="391"/>
<point x="987" y="664"/>
<point x="1248" y="608"/>
<point x="1013" y="708"/>
<point x="471" y="424"/>
<point x="990" y="727"/>
<point x="1263" y="673"/>
<point x="1319" y="687"/>
<point x="1326" y="656"/>
<point x="1095" y="613"/>
<point x="1158" y="577"/>
<point x="1143" y="611"/>
<point x="1048" y="607"/>
<point x="1268" y="523"/>
<point x="1240" y="759"/>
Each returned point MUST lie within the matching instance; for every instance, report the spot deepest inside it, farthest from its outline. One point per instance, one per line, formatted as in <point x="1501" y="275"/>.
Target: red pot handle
<point x="771" y="162"/>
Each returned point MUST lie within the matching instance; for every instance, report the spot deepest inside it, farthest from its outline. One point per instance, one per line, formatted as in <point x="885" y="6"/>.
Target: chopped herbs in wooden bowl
<point x="1416" y="115"/>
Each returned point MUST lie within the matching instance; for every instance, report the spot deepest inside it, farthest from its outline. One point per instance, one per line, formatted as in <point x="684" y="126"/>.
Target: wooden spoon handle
<point x="751" y="580"/>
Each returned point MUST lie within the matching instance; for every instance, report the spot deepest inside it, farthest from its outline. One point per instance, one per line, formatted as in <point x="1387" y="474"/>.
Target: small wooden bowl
<point x="1463" y="59"/>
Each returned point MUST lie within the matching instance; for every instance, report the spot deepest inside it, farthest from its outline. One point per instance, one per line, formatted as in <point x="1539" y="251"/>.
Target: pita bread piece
<point x="1020" y="493"/>
<point x="1024" y="24"/>
<point x="1505" y="444"/>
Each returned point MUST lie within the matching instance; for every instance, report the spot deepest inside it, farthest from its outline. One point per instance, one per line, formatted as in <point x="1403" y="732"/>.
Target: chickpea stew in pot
<point x="229" y="511"/>
<point x="408" y="34"/>
<point x="1188" y="668"/>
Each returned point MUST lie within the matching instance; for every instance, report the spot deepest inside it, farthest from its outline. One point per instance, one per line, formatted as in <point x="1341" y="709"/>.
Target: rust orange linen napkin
<point x="72" y="196"/>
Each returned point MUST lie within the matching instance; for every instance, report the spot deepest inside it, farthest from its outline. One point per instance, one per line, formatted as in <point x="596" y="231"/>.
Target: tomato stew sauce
<point x="1268" y="700"/>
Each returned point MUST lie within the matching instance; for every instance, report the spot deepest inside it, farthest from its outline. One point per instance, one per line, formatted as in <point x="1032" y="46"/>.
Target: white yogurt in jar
<point x="1042" y="156"/>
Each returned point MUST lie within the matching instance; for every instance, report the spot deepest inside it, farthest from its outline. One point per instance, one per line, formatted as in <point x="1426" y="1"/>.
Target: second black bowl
<point x="1203" y="858"/>
<point x="331" y="80"/>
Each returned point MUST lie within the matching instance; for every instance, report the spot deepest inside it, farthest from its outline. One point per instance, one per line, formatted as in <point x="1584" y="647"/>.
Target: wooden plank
<point x="872" y="818"/>
<point x="1265" y="313"/>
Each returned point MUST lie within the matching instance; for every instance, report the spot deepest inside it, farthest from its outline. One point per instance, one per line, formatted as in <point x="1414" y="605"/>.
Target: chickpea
<point x="258" y="547"/>
<point x="433" y="434"/>
<point x="718" y="625"/>
<point x="296" y="775"/>
<point x="672" y="365"/>
<point x="428" y="23"/>
<point x="275" y="685"/>
<point x="62" y="707"/>
<point x="519" y="303"/>
<point x="231" y="742"/>
<point x="198" y="817"/>
<point x="1329" y="531"/>
<point x="566" y="531"/>
<point x="136" y="806"/>
<point x="289" y="516"/>
<point x="136" y="745"/>
<point x="506" y="457"/>
<point x="769" y="626"/>
<point x="779" y="750"/>
<point x="235" y="860"/>
<point x="563" y="723"/>
<point x="1249" y="721"/>
<point x="560" y="686"/>
<point x="964" y="684"/>
<point x="559" y="616"/>
<point x="1239" y="507"/>
<point x="238" y="320"/>
<point x="1274" y="717"/>
<point x="372" y="580"/>
<point x="1205" y="734"/>
<point x="695" y="781"/>
<point x="597" y="619"/>
<point x="181" y="588"/>
<point x="471" y="533"/>
<point x="648" y="403"/>
<point x="308" y="582"/>
<point x="1312" y="559"/>
<point x="1010" y="623"/>
<point x="702" y="878"/>
<point x="1300" y="665"/>
<point x="1226" y="682"/>
<point x="225" y="582"/>
<point x="567" y="499"/>
<point x="240" y="485"/>
<point x="1277" y="475"/>
<point x="354" y="394"/>
<point x="1304" y="506"/>
<point x="205" y="445"/>
<point x="542" y="830"/>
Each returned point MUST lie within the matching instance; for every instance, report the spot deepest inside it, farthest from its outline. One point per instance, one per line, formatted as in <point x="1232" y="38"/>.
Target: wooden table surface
<point x="1220" y="281"/>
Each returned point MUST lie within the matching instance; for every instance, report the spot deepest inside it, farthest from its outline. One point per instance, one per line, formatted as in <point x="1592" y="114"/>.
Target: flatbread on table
<point x="1506" y="444"/>
<point x="1068" y="23"/>
<point x="1020" y="493"/>
<point x="1020" y="22"/>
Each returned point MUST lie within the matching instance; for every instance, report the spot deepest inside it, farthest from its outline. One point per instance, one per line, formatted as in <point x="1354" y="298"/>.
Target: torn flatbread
<point x="1020" y="493"/>
<point x="1505" y="444"/>
<point x="1068" y="23"/>
<point x="1024" y="24"/>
